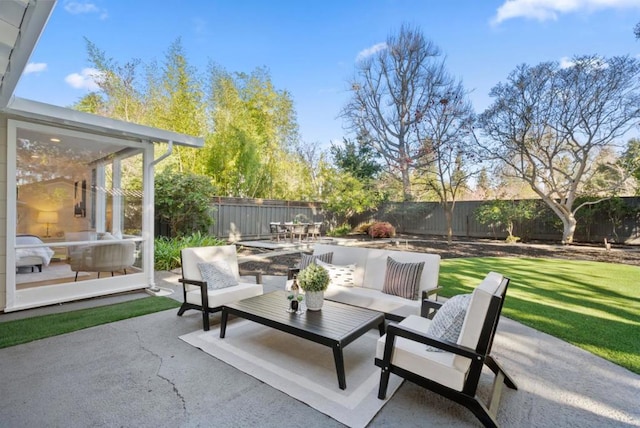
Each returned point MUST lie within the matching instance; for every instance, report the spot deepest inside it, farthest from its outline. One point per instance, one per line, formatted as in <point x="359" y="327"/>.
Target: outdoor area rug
<point x="302" y="369"/>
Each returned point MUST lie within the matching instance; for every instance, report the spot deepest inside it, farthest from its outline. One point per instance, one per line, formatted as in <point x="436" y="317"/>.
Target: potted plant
<point x="314" y="280"/>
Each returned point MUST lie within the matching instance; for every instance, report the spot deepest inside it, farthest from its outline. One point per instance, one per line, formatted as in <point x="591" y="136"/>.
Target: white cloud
<point x="370" y="51"/>
<point x="35" y="67"/>
<point x="566" y="62"/>
<point x="83" y="7"/>
<point x="543" y="10"/>
<point x="86" y="79"/>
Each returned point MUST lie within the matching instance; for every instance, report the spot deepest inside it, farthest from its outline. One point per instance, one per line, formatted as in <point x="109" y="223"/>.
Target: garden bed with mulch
<point x="279" y="264"/>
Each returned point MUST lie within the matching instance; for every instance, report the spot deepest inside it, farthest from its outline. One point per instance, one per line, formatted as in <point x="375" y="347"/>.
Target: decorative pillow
<point x="217" y="274"/>
<point x="340" y="275"/>
<point x="106" y="237"/>
<point x="308" y="259"/>
<point x="447" y="323"/>
<point x="402" y="279"/>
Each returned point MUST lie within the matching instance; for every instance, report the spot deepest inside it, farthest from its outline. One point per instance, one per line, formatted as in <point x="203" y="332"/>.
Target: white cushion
<point x="223" y="296"/>
<point x="414" y="357"/>
<point x="374" y="300"/>
<point x="339" y="275"/>
<point x="192" y="256"/>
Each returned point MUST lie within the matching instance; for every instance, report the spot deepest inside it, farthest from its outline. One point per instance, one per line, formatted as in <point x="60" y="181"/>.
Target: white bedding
<point x="45" y="253"/>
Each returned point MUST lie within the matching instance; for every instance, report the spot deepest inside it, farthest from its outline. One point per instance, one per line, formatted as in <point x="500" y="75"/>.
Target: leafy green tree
<point x="176" y="103"/>
<point x="119" y="85"/>
<point x="357" y="158"/>
<point x="506" y="213"/>
<point x="250" y="152"/>
<point x="183" y="201"/>
<point x="93" y="102"/>
<point x="345" y="195"/>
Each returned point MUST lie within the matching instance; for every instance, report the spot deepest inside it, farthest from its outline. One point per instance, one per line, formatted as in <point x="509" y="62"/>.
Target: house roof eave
<point x="23" y="22"/>
<point x="21" y="108"/>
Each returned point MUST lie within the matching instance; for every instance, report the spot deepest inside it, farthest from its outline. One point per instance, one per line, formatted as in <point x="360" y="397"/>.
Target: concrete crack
<point x="164" y="378"/>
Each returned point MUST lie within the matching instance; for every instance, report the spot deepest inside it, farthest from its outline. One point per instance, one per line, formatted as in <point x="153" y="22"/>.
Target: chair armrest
<point x="394" y="330"/>
<point x="431" y="291"/>
<point x="292" y="271"/>
<point x="191" y="282"/>
<point x="429" y="307"/>
<point x="257" y="274"/>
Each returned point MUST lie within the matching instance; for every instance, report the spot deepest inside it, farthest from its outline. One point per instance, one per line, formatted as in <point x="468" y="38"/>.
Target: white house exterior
<point x="65" y="174"/>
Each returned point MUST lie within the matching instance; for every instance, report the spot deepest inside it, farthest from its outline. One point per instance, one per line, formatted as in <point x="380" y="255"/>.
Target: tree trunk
<point x="406" y="185"/>
<point x="448" y="215"/>
<point x="568" y="228"/>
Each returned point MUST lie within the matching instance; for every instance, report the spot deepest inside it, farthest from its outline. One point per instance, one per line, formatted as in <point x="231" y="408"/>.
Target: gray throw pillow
<point x="402" y="279"/>
<point x="217" y="274"/>
<point x="447" y="323"/>
<point x="307" y="259"/>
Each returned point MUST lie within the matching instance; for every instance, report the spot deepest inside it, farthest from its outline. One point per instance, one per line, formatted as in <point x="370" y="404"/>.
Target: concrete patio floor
<point x="137" y="373"/>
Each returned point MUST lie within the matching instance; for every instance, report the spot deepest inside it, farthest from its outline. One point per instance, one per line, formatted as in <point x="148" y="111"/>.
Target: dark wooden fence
<point x="427" y="218"/>
<point x="238" y="219"/>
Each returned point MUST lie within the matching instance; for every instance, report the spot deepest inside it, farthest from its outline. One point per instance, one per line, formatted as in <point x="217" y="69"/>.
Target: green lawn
<point x="593" y="305"/>
<point x="25" y="330"/>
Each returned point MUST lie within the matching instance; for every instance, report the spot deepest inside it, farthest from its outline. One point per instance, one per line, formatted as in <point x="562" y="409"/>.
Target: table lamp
<point x="49" y="218"/>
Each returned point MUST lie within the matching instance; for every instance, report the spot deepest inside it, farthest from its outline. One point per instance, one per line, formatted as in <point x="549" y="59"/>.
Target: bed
<point x="34" y="257"/>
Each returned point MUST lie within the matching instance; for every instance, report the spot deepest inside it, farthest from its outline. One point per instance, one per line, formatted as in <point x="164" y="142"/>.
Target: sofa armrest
<point x="292" y="272"/>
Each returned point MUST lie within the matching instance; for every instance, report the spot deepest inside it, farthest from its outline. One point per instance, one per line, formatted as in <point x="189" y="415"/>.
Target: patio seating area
<point x="165" y="381"/>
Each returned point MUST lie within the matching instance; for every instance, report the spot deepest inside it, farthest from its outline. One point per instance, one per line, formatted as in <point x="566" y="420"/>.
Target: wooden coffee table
<point x="335" y="326"/>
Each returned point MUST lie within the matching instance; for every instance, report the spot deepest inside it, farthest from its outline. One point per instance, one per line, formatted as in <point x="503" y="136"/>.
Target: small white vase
<point x="314" y="300"/>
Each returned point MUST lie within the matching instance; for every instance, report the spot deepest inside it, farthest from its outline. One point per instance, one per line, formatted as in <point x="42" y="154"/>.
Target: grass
<point x="29" y="329"/>
<point x="593" y="305"/>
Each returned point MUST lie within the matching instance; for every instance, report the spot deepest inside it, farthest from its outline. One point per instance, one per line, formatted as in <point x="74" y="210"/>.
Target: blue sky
<point x="310" y="47"/>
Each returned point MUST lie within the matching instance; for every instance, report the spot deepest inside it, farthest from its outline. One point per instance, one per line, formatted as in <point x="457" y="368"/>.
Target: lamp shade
<point x="48" y="217"/>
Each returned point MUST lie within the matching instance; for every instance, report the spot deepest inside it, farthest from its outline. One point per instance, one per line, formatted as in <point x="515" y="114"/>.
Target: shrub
<point x="167" y="250"/>
<point x="183" y="201"/>
<point x="364" y="227"/>
<point x="382" y="229"/>
<point x="342" y="230"/>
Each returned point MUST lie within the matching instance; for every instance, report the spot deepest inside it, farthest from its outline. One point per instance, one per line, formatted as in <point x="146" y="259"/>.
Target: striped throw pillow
<point x="402" y="279"/>
<point x="307" y="259"/>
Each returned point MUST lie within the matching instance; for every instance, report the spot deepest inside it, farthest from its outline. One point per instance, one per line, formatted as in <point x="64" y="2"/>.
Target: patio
<point x="138" y="373"/>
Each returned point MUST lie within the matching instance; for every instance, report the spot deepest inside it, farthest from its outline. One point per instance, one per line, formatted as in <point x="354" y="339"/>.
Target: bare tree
<point x="445" y="126"/>
<point x="389" y="90"/>
<point x="549" y="126"/>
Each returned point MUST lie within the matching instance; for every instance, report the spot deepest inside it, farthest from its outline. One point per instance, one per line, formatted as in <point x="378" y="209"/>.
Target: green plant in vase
<point x="314" y="280"/>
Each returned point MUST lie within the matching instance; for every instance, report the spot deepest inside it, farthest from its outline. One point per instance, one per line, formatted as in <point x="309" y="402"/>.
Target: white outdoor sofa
<point x="369" y="278"/>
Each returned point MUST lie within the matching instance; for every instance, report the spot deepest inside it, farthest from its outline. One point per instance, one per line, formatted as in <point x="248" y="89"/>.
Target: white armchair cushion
<point x="340" y="275"/>
<point x="447" y="323"/>
<point x="217" y="274"/>
<point x="413" y="356"/>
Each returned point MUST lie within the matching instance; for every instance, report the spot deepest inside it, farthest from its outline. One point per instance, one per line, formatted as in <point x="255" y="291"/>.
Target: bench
<point x="369" y="279"/>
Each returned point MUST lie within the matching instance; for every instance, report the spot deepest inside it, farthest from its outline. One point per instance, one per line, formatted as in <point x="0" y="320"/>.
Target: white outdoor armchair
<point x="454" y="372"/>
<point x="199" y="294"/>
